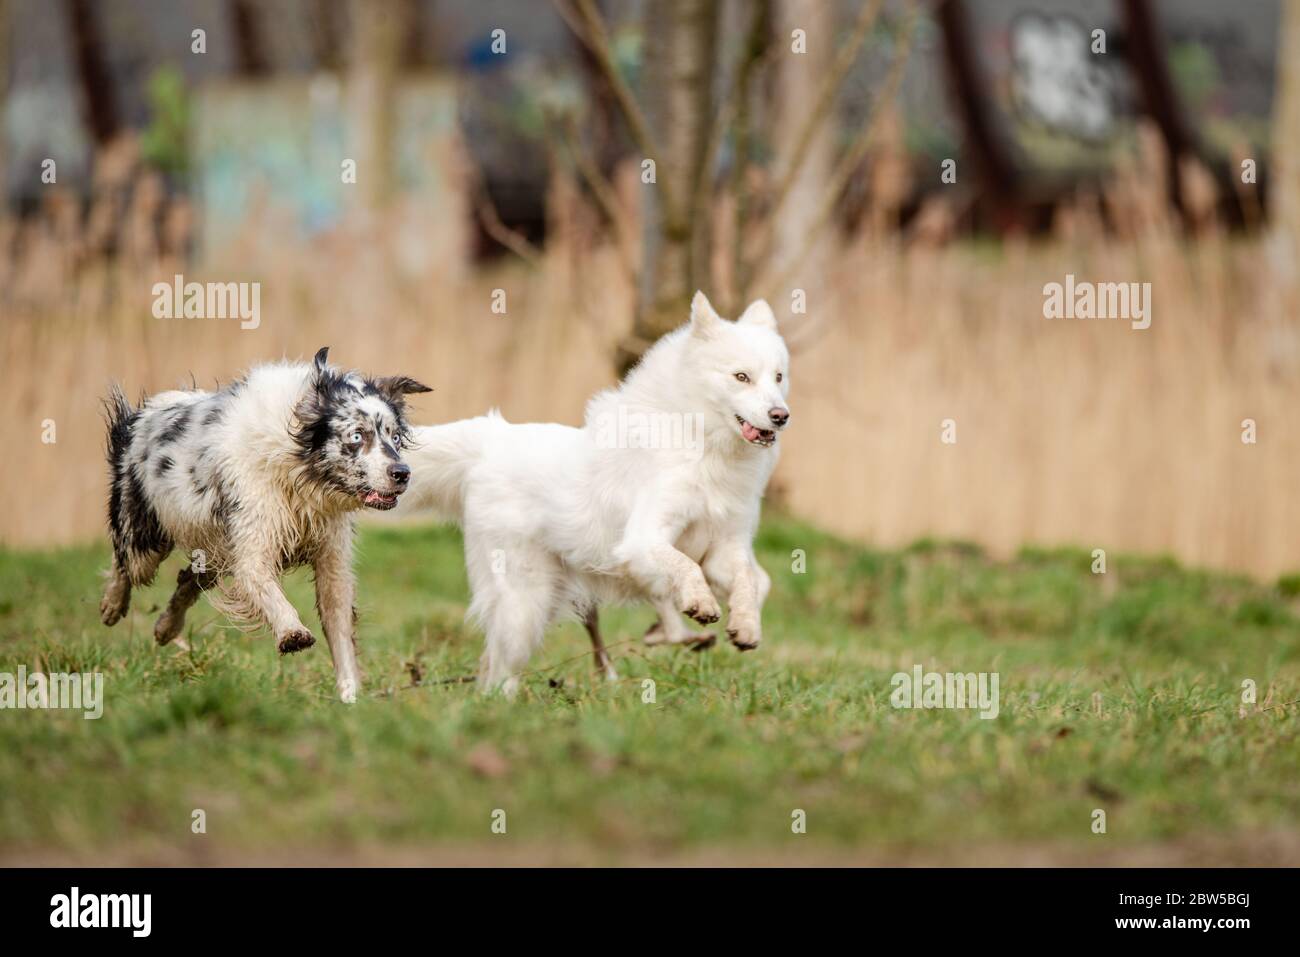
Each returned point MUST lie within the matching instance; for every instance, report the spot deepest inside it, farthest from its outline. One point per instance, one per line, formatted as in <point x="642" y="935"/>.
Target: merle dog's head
<point x="350" y="434"/>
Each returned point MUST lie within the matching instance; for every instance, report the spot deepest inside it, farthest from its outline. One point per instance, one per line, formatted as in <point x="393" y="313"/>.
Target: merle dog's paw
<point x="113" y="607"/>
<point x="295" y="641"/>
<point x="167" y="627"/>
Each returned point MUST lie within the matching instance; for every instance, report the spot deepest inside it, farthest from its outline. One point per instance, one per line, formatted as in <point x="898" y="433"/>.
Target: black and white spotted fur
<point x="248" y="481"/>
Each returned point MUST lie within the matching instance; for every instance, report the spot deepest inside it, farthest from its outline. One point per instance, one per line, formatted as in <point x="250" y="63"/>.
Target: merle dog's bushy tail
<point x="119" y="416"/>
<point x="139" y="541"/>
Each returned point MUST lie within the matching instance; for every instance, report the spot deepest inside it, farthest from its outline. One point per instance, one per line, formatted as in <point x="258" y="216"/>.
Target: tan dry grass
<point x="1076" y="432"/>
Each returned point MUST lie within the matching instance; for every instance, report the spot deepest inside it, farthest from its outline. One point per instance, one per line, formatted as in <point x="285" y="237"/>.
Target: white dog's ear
<point x="704" y="320"/>
<point x="759" y="313"/>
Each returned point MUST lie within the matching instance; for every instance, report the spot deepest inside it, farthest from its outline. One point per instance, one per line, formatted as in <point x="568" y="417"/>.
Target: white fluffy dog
<point x="656" y="497"/>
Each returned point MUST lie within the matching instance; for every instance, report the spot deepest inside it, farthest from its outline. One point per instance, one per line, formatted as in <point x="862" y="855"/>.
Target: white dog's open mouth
<point x="373" y="499"/>
<point x="754" y="435"/>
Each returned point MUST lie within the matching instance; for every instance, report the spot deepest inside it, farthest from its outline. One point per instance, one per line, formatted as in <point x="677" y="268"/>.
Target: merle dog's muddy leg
<point x="335" y="594"/>
<point x="257" y="587"/>
<point x="189" y="586"/>
<point x="117" y="595"/>
<point x="139" y="570"/>
<point x="603" y="664"/>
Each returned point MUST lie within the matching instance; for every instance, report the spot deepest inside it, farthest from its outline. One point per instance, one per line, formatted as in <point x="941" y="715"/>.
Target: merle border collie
<point x="255" y="478"/>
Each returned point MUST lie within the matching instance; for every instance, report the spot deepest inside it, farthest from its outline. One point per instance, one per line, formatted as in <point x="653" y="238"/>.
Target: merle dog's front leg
<point x="335" y="590"/>
<point x="256" y="582"/>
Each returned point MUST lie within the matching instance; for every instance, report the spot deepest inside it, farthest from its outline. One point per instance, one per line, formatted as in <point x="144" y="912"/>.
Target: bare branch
<point x="857" y="149"/>
<point x="606" y="197"/>
<point x="594" y="36"/>
<point x="753" y="58"/>
<point x="511" y="239"/>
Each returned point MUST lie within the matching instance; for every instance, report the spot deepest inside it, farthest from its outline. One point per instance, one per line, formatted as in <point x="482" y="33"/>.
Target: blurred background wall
<point x="902" y="188"/>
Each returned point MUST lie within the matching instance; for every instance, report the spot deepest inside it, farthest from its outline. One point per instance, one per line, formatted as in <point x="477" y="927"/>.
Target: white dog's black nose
<point x="399" y="473"/>
<point x="779" y="416"/>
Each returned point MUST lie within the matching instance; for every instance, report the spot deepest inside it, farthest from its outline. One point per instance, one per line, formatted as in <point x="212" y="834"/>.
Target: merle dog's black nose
<point x="399" y="473"/>
<point x="779" y="416"/>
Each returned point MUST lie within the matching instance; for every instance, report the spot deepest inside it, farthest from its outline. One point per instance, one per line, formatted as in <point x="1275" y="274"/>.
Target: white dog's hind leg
<point x="514" y="627"/>
<point x="513" y="599"/>
<point x="591" y="621"/>
<point x="671" y="630"/>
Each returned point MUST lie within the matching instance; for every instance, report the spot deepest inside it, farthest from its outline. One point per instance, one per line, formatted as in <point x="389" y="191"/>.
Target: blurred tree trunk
<point x="1285" y="179"/>
<point x="415" y="54"/>
<point x="325" y="35"/>
<point x="4" y="99"/>
<point x="1160" y="98"/>
<point x="680" y="54"/>
<point x="798" y="81"/>
<point x="1000" y="179"/>
<point x="98" y="104"/>
<point x="379" y="32"/>
<point x="250" y="52"/>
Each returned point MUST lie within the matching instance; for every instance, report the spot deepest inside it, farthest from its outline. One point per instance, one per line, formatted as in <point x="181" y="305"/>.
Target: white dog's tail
<point x="440" y="457"/>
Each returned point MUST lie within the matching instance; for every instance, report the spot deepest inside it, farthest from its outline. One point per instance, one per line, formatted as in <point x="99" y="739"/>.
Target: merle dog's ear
<point x="393" y="387"/>
<point x="321" y="355"/>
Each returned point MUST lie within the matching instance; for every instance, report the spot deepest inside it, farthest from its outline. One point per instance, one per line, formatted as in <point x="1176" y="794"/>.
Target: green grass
<point x="1119" y="691"/>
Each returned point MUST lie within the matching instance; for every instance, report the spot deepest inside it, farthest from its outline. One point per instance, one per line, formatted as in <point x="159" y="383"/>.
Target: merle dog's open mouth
<point x="754" y="435"/>
<point x="371" y="498"/>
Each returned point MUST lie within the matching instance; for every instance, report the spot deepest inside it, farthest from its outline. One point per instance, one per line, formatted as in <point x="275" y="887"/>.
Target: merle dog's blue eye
<point x="397" y="441"/>
<point x="355" y="438"/>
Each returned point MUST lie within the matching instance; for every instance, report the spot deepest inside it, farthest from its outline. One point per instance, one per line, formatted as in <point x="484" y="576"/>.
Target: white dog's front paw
<point x="698" y="602"/>
<point x="744" y="631"/>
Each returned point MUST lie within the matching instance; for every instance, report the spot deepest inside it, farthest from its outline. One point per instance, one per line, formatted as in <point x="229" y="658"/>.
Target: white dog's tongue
<point x="750" y="433"/>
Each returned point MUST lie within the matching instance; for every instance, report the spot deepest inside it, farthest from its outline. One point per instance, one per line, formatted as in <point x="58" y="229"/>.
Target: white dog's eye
<point x="355" y="438"/>
<point x="779" y="377"/>
<point x="742" y="377"/>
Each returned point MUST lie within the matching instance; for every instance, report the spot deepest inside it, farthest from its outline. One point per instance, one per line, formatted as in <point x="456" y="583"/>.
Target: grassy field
<point x="1119" y="691"/>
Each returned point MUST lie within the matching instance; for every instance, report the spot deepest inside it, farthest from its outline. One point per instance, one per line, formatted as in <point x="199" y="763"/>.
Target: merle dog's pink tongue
<point x="750" y="433"/>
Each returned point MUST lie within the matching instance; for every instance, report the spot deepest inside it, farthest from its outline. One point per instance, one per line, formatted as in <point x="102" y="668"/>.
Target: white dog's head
<point x="741" y="370"/>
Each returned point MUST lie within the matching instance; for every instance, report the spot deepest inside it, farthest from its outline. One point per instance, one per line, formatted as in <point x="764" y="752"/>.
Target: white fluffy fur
<point x="558" y="520"/>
